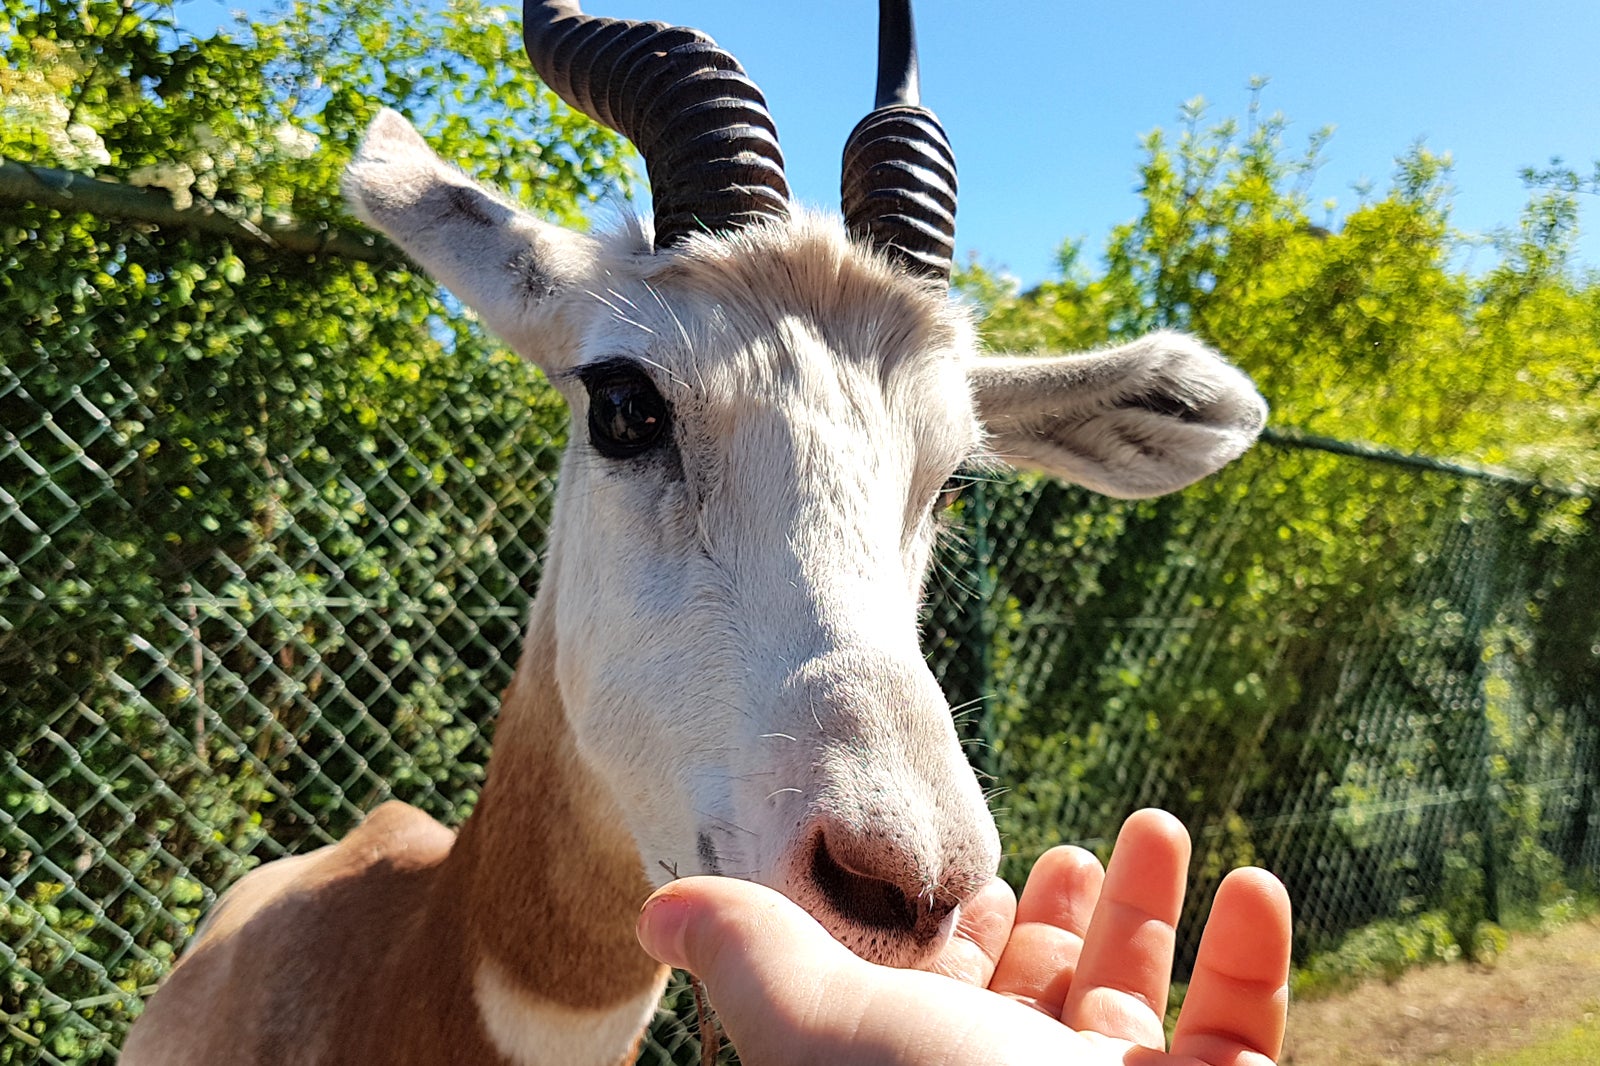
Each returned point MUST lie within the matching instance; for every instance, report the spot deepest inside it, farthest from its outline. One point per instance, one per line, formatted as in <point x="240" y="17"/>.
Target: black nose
<point x="876" y="888"/>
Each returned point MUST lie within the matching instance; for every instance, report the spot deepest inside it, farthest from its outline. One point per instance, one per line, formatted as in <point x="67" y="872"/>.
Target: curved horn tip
<point x="899" y="78"/>
<point x="655" y="84"/>
<point x="899" y="155"/>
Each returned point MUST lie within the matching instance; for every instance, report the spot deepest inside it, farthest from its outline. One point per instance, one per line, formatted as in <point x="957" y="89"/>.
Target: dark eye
<point x="627" y="416"/>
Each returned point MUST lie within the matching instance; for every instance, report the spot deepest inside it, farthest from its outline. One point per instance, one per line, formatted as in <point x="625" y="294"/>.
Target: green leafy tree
<point x="1315" y="648"/>
<point x="268" y="520"/>
<point x="1375" y="331"/>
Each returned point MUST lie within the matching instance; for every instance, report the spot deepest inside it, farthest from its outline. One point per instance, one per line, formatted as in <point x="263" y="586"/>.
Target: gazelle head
<point x="766" y="405"/>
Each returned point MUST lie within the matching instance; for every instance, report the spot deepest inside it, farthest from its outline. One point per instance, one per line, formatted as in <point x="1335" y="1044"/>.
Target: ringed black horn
<point x="710" y="147"/>
<point x="899" y="181"/>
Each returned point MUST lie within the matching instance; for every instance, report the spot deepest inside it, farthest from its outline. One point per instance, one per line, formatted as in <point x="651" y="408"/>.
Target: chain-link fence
<point x="1374" y="676"/>
<point x="262" y="570"/>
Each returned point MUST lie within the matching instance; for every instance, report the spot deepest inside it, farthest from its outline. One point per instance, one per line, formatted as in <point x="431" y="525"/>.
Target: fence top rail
<point x="63" y="190"/>
<point x="1292" y="438"/>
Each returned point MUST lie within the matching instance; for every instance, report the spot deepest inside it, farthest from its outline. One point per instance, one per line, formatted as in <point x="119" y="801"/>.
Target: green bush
<point x="1385" y="949"/>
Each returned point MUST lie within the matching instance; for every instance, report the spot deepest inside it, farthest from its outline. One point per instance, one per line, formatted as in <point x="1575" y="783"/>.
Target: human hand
<point x="1076" y="971"/>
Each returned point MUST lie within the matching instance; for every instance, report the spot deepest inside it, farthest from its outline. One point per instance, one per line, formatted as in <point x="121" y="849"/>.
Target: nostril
<point x="875" y="902"/>
<point x="867" y="900"/>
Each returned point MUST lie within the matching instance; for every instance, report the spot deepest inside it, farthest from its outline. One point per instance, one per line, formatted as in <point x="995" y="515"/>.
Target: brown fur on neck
<point x="554" y="881"/>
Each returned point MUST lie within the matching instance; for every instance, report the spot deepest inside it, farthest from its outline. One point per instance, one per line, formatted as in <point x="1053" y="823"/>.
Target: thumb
<point x="790" y="995"/>
<point x="774" y="975"/>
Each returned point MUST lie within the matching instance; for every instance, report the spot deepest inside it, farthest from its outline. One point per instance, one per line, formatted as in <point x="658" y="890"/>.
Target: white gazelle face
<point x="745" y="516"/>
<point x="762" y="423"/>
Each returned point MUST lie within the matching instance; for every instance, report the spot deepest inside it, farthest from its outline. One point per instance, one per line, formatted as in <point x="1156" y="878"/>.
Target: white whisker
<point x="725" y="823"/>
<point x="617" y="312"/>
<point x="683" y="333"/>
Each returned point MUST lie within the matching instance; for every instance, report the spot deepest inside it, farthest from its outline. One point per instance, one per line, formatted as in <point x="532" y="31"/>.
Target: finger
<point x="772" y="972"/>
<point x="1236" y="1006"/>
<point x="980" y="935"/>
<point x="1041" y="958"/>
<point x="1126" y="966"/>
<point x="1062" y="889"/>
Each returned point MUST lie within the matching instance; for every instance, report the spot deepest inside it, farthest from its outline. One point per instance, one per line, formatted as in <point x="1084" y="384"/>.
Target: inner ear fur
<point x="1138" y="420"/>
<point x="502" y="262"/>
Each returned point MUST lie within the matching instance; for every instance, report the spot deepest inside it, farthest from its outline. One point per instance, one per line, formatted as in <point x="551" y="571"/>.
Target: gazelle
<point x="721" y="672"/>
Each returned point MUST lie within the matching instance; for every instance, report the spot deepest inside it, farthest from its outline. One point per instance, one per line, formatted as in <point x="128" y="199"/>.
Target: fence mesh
<point x="1393" y="708"/>
<point x="246" y="594"/>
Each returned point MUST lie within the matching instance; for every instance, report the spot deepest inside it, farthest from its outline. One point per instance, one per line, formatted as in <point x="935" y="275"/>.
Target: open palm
<point x="1077" y="971"/>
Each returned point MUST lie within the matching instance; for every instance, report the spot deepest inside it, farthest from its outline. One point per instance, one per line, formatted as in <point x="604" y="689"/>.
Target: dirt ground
<point x="1458" y="1014"/>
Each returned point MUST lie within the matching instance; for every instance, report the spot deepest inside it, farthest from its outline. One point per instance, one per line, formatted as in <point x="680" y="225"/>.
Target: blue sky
<point x="1045" y="100"/>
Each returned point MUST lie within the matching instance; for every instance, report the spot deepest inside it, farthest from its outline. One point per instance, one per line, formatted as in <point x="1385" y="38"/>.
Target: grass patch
<point x="1577" y="1045"/>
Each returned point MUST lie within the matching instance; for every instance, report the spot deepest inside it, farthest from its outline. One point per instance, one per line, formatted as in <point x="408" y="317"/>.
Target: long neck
<point x="552" y="883"/>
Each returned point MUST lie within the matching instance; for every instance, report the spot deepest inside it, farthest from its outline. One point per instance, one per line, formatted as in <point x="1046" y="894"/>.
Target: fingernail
<point x="661" y="928"/>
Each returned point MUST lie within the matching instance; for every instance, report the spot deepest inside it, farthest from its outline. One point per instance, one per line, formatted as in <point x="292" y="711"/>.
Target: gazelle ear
<point x="1139" y="420"/>
<point x="498" y="260"/>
